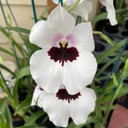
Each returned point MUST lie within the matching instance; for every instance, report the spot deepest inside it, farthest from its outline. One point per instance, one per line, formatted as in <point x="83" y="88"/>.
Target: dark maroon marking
<point x="41" y="89"/>
<point x="63" y="54"/>
<point x="62" y="94"/>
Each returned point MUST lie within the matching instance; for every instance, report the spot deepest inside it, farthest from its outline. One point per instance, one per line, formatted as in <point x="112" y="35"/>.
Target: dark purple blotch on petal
<point x="63" y="54"/>
<point x="62" y="94"/>
<point x="41" y="89"/>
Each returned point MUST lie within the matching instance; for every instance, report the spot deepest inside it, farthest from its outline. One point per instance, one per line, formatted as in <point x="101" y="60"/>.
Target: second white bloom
<point x="61" y="106"/>
<point x="85" y="7"/>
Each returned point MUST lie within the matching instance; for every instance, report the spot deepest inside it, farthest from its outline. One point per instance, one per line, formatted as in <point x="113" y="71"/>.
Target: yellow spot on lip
<point x="63" y="45"/>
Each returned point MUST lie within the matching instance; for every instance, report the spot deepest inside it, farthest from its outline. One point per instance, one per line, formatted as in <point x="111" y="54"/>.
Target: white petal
<point x="83" y="106"/>
<point x="79" y="73"/>
<point x="83" y="9"/>
<point x="58" y="110"/>
<point x="111" y="11"/>
<point x="36" y="96"/>
<point x="63" y="20"/>
<point x="46" y="72"/>
<point x="84" y="37"/>
<point x="42" y="33"/>
<point x="55" y="1"/>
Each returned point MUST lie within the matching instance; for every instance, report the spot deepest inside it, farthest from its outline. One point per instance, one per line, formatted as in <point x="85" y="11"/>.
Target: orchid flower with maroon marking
<point x="83" y="8"/>
<point x="66" y="57"/>
<point x="61" y="106"/>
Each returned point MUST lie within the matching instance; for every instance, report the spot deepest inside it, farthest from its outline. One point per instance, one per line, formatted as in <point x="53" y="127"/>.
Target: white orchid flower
<point x="83" y="8"/>
<point x="61" y="106"/>
<point x="66" y="57"/>
<point x="111" y="11"/>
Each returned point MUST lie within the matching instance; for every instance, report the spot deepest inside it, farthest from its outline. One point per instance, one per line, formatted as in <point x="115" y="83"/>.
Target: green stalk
<point x="73" y="6"/>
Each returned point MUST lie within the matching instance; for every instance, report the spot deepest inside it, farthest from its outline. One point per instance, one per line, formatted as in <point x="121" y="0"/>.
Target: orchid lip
<point x="63" y="53"/>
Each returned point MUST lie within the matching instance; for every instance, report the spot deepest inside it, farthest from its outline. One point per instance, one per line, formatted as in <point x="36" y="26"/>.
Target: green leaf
<point x="25" y="71"/>
<point x="119" y="4"/>
<point x="1" y="60"/>
<point x="7" y="69"/>
<point x="45" y="119"/>
<point x="71" y="125"/>
<point x="125" y="69"/>
<point x="17" y="29"/>
<point x="2" y="121"/>
<point x="4" y="88"/>
<point x="106" y="38"/>
<point x="42" y="16"/>
<point x="123" y="91"/>
<point x="15" y="93"/>
<point x="114" y="79"/>
<point x="110" y="51"/>
<point x="18" y="46"/>
<point x="4" y="32"/>
<point x="106" y="65"/>
<point x="98" y="110"/>
<point x="118" y="88"/>
<point x="24" y="105"/>
<point x="110" y="85"/>
<point x="2" y="105"/>
<point x="103" y="108"/>
<point x="8" y="117"/>
<point x="34" y="117"/>
<point x="6" y="51"/>
<point x="31" y="47"/>
<point x="27" y="127"/>
<point x="6" y="113"/>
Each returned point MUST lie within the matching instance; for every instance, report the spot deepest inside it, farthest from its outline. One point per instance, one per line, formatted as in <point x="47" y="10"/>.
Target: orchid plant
<point x="60" y="61"/>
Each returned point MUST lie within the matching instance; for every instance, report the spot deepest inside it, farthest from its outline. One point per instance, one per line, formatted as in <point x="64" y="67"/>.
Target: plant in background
<point x="71" y="104"/>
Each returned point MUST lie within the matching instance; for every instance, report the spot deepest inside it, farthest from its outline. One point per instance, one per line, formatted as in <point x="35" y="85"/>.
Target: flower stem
<point x="73" y="6"/>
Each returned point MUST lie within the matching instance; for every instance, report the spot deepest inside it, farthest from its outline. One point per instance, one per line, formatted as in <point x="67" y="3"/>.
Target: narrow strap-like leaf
<point x="108" y="79"/>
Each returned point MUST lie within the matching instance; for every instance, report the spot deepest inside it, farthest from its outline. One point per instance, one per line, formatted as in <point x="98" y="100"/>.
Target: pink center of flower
<point x="62" y="94"/>
<point x="63" y="54"/>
